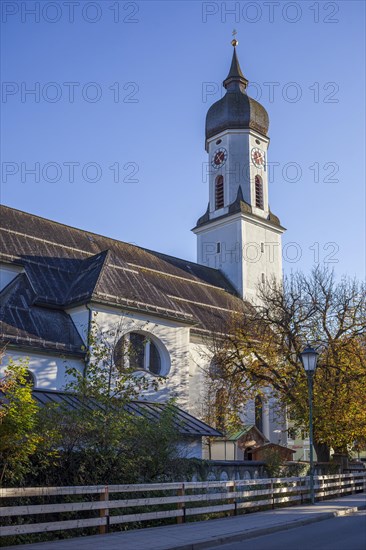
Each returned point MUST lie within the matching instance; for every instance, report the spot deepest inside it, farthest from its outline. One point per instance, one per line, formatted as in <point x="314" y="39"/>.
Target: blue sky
<point x="122" y="90"/>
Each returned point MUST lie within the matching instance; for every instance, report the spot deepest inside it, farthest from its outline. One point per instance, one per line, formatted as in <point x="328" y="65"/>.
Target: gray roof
<point x="235" y="72"/>
<point x="65" y="267"/>
<point x="236" y="110"/>
<point x="185" y="423"/>
<point x="29" y="326"/>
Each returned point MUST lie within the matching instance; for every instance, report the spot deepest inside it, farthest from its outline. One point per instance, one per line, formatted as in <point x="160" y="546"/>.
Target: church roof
<point x="236" y="110"/>
<point x="64" y="267"/>
<point x="26" y="325"/>
<point x="235" y="72"/>
<point x="239" y="205"/>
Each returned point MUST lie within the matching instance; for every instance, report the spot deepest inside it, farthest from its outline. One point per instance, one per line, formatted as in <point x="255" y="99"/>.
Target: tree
<point x="101" y="441"/>
<point x="19" y="437"/>
<point x="262" y="346"/>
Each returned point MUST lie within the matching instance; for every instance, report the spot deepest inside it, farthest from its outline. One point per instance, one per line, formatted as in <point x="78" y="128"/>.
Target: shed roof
<point x="184" y="422"/>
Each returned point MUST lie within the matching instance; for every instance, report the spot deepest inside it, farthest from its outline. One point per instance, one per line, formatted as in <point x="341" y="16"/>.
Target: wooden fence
<point x="102" y="506"/>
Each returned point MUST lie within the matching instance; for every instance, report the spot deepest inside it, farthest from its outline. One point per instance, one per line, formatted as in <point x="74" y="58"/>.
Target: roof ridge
<point x="111" y="239"/>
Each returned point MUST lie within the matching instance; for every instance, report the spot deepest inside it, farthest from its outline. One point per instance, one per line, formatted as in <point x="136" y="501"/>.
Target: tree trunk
<point x="322" y="452"/>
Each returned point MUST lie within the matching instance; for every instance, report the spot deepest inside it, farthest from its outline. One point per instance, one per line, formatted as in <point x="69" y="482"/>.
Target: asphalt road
<point x="340" y="533"/>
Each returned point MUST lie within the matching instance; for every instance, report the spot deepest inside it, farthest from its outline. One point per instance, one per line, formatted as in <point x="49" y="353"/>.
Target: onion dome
<point x="236" y="110"/>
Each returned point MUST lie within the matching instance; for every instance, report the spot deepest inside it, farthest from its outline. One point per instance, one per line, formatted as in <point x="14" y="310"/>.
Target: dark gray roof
<point x="66" y="267"/>
<point x="185" y="423"/>
<point x="236" y="110"/>
<point x="30" y="326"/>
<point x="235" y="73"/>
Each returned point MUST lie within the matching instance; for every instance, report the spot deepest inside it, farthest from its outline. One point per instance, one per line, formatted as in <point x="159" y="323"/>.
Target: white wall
<point x="172" y="340"/>
<point x="49" y="371"/>
<point x="241" y="257"/>
<point x="238" y="170"/>
<point x="190" y="447"/>
<point x="80" y="318"/>
<point x="256" y="262"/>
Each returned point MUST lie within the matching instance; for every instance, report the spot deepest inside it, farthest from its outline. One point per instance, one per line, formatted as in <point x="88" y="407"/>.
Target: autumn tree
<point x="260" y="352"/>
<point x="19" y="438"/>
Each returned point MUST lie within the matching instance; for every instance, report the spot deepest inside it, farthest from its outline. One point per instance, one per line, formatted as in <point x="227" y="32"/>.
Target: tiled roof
<point x="185" y="423"/>
<point x="28" y="325"/>
<point x="66" y="267"/>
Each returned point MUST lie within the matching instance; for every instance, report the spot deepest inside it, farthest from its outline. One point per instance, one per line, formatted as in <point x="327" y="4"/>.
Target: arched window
<point x="258" y="192"/>
<point x="258" y="407"/>
<point x="219" y="192"/>
<point x="137" y="351"/>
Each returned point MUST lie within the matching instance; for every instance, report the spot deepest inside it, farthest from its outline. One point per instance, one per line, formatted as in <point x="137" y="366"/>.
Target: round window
<point x="138" y="352"/>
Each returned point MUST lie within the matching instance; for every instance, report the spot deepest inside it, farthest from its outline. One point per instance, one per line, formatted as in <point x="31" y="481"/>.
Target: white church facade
<point x="57" y="280"/>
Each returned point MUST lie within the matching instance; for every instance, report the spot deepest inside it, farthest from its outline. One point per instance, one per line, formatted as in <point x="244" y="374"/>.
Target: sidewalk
<point x="203" y="534"/>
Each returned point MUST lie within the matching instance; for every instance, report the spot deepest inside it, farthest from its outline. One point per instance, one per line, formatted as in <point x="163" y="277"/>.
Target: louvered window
<point x="219" y="192"/>
<point x="258" y="192"/>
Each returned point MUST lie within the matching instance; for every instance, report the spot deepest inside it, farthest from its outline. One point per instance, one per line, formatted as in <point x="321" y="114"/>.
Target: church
<point x="57" y="280"/>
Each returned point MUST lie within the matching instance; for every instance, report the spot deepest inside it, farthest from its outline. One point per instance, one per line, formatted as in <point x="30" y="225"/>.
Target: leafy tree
<point x="101" y="440"/>
<point x="19" y="437"/>
<point x="274" y="462"/>
<point x="260" y="352"/>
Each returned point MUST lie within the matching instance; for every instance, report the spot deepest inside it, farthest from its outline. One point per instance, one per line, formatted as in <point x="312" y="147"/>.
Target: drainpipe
<point x="90" y="313"/>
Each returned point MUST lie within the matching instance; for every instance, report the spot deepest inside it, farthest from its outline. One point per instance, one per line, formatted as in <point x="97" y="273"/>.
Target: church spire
<point x="235" y="73"/>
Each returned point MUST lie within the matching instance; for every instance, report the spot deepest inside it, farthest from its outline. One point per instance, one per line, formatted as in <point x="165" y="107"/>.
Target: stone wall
<point x="229" y="470"/>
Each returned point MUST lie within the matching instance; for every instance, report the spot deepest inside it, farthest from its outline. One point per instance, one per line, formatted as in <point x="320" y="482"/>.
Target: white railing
<point x="111" y="505"/>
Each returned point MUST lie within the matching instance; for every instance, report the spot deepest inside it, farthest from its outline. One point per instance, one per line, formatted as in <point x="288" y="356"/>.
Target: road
<point x="340" y="533"/>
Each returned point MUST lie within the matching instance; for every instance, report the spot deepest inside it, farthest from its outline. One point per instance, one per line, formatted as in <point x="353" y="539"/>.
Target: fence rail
<point x="155" y="501"/>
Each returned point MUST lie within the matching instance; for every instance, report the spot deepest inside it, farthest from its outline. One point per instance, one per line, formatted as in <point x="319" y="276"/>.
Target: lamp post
<point x="309" y="358"/>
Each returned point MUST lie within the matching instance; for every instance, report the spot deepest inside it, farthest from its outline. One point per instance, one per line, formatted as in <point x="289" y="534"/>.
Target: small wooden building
<point x="259" y="453"/>
<point x="239" y="445"/>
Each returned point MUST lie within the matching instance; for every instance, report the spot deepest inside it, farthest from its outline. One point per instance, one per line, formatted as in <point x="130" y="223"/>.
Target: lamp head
<point x="309" y="358"/>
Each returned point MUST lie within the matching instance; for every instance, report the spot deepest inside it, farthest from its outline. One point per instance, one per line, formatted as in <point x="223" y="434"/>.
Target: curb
<point x="211" y="543"/>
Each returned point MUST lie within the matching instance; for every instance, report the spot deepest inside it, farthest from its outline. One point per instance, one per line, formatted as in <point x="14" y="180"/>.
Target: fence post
<point x="232" y="500"/>
<point x="300" y="482"/>
<point x="272" y="494"/>
<point x="181" y="505"/>
<point x="104" y="512"/>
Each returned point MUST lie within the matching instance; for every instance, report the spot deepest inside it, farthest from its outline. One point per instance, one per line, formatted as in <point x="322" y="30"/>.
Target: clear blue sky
<point x="161" y="55"/>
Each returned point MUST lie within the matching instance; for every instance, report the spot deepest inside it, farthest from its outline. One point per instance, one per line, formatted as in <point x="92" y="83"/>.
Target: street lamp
<point x="309" y="358"/>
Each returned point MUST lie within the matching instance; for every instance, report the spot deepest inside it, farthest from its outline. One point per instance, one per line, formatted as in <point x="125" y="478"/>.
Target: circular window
<point x="139" y="351"/>
<point x="257" y="142"/>
<point x="218" y="141"/>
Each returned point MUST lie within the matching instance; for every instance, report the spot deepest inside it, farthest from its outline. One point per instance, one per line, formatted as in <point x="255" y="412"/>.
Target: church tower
<point x="238" y="234"/>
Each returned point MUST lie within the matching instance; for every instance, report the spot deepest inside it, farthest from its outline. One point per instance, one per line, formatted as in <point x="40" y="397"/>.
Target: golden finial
<point x="234" y="41"/>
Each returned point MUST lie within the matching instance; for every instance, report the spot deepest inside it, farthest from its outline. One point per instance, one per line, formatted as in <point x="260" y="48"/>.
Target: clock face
<point x="219" y="158"/>
<point x="258" y="157"/>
